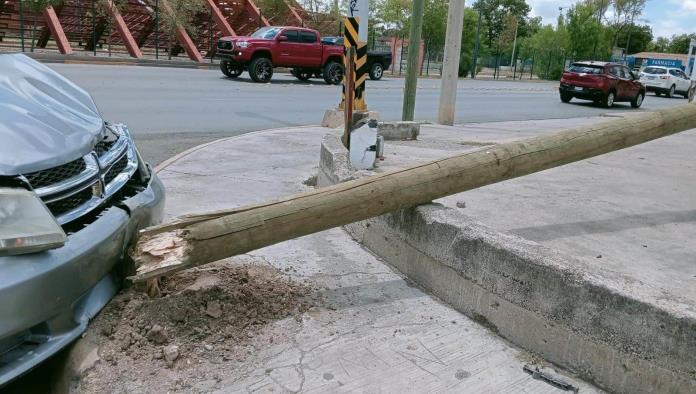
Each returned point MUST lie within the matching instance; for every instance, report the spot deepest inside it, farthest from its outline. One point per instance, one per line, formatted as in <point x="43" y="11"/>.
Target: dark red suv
<point x="604" y="83"/>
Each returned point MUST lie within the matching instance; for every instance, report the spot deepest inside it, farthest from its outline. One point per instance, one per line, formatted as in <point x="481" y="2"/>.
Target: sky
<point x="667" y="17"/>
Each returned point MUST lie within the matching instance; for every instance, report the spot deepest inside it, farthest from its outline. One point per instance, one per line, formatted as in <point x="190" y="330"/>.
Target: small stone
<point x="461" y="204"/>
<point x="157" y="335"/>
<point x="171" y="353"/>
<point x="599" y="256"/>
<point x="208" y="347"/>
<point x="157" y="355"/>
<point x="213" y="309"/>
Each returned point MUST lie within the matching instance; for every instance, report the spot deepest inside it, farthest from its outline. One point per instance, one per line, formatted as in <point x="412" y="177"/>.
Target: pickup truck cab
<point x="377" y="61"/>
<point x="280" y="46"/>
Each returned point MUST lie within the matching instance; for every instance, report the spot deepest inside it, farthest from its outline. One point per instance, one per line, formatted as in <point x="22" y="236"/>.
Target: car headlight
<point x="243" y="44"/>
<point x="26" y="225"/>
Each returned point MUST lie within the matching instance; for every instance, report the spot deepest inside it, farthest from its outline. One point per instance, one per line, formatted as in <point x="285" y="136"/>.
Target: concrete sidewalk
<point x="373" y="331"/>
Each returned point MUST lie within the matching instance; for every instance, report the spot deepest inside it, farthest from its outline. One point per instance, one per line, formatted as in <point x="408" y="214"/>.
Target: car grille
<point x="56" y="174"/>
<point x="116" y="169"/>
<point x="69" y="203"/>
<point x="104" y="146"/>
<point x="74" y="189"/>
<point x="224" y="44"/>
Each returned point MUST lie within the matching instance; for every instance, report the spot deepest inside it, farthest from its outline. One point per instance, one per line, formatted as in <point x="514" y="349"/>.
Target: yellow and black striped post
<point x="350" y="39"/>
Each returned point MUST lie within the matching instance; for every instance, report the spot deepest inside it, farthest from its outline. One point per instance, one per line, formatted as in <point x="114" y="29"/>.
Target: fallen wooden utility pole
<point x="199" y="239"/>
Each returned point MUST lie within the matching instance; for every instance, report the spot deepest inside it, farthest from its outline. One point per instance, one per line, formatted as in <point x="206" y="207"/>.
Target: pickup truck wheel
<point x="261" y="69"/>
<point x="230" y="70"/>
<point x="376" y="71"/>
<point x="302" y="75"/>
<point x="566" y="97"/>
<point x="333" y="73"/>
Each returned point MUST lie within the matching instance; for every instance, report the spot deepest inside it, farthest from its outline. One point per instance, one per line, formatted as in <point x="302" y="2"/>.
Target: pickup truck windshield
<point x="267" y="33"/>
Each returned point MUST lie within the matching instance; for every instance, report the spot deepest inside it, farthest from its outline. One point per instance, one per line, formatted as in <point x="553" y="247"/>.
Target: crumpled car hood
<point x="45" y="120"/>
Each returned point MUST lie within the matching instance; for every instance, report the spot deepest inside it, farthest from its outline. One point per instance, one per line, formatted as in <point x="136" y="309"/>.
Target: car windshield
<point x="655" y="70"/>
<point x="267" y="33"/>
<point x="586" y="69"/>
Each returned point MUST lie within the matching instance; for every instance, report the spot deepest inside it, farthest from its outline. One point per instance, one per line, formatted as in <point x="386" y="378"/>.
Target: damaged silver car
<point x="73" y="193"/>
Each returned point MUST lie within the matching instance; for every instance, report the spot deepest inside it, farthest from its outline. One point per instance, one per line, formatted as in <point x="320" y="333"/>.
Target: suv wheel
<point x="261" y="69"/>
<point x="376" y="71"/>
<point x="230" y="70"/>
<point x="638" y="100"/>
<point x="608" y="100"/>
<point x="670" y="93"/>
<point x="566" y="97"/>
<point x="333" y="73"/>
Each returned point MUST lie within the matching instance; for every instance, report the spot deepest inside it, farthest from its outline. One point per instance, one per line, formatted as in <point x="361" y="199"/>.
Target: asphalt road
<point x="170" y="109"/>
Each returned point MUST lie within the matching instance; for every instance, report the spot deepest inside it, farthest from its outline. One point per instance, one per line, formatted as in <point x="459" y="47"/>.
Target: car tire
<point x="565" y="97"/>
<point x="231" y="70"/>
<point x="333" y="73"/>
<point x="608" y="100"/>
<point x="670" y="93"/>
<point x="376" y="71"/>
<point x="301" y="74"/>
<point x="658" y="94"/>
<point x="261" y="70"/>
<point x="638" y="100"/>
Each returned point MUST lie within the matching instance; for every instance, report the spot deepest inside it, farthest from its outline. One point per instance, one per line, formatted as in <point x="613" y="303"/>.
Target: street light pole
<point x="414" y="39"/>
<point x="450" y="63"/>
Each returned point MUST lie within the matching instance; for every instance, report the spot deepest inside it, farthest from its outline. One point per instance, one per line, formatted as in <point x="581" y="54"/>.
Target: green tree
<point x="661" y="44"/>
<point x="37" y="7"/>
<point x="497" y="15"/>
<point x="680" y="43"/>
<point x="585" y="31"/>
<point x="435" y="22"/>
<point x="466" y="58"/>
<point x="640" y="38"/>
<point x="180" y="13"/>
<point x="623" y="14"/>
<point x="548" y="47"/>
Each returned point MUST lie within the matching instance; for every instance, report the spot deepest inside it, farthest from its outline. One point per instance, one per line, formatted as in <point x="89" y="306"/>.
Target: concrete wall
<point x="546" y="302"/>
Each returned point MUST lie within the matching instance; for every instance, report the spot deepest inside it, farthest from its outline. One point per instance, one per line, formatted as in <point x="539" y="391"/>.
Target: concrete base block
<point x="399" y="130"/>
<point x="606" y="328"/>
<point x="334" y="117"/>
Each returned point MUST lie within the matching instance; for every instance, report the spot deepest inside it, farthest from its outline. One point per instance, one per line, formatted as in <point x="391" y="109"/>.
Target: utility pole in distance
<point x="450" y="63"/>
<point x="413" y="52"/>
<point x="474" y="66"/>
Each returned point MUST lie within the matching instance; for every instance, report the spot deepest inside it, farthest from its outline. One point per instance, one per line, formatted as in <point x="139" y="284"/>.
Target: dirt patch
<point x="216" y="315"/>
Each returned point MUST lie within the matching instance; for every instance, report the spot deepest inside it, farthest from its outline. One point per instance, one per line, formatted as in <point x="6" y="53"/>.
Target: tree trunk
<point x="33" y="30"/>
<point x="204" y="238"/>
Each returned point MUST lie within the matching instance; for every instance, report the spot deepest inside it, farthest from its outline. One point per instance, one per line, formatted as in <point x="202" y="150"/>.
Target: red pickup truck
<point x="280" y="46"/>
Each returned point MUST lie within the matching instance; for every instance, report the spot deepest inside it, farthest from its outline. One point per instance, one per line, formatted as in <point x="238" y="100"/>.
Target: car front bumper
<point x="48" y="297"/>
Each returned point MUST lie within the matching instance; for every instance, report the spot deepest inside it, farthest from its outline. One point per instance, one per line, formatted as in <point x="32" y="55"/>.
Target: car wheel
<point x="670" y="94"/>
<point x="302" y="75"/>
<point x="333" y="73"/>
<point x="231" y="70"/>
<point x="376" y="71"/>
<point x="608" y="100"/>
<point x="658" y="94"/>
<point x="638" y="100"/>
<point x="565" y="97"/>
<point x="261" y="69"/>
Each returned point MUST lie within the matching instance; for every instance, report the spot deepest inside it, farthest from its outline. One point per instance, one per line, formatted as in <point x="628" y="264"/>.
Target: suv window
<point x="585" y="69"/>
<point x="292" y="35"/>
<point x="308" y="37"/>
<point x="655" y="70"/>
<point x="627" y="73"/>
<point x="683" y="75"/>
<point x="674" y="73"/>
<point x="616" y="71"/>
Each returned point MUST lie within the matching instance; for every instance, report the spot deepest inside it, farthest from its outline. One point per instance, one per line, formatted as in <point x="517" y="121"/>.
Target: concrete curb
<point x="595" y="324"/>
